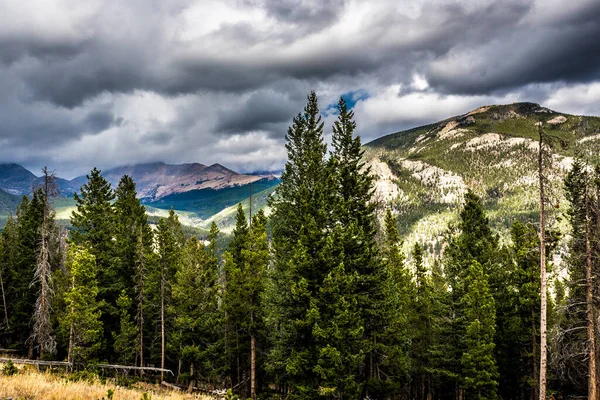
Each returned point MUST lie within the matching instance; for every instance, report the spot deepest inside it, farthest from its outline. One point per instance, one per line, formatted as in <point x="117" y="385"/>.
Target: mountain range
<point x="154" y="180"/>
<point x="196" y="188"/>
<point x="422" y="173"/>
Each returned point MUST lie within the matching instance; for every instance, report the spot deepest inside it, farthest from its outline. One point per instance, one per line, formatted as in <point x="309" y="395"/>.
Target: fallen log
<point x="171" y="386"/>
<point x="68" y="364"/>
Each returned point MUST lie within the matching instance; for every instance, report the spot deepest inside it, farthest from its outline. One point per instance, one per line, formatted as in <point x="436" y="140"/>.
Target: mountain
<point x="424" y="172"/>
<point x="16" y="180"/>
<point x="196" y="190"/>
<point x="157" y="180"/>
<point x="154" y="181"/>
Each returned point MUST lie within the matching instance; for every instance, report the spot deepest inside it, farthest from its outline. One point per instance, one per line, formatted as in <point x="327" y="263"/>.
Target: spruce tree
<point x="83" y="310"/>
<point x="197" y="317"/>
<point x="475" y="241"/>
<point x="125" y="338"/>
<point x="245" y="264"/>
<point x="479" y="369"/>
<point x="93" y="226"/>
<point x="8" y="263"/>
<point x="23" y="294"/>
<point x="130" y="217"/>
<point x="421" y="321"/>
<point x="300" y="220"/>
<point x="170" y="242"/>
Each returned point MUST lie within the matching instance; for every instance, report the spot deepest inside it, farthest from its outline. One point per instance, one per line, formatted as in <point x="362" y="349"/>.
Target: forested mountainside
<point x="424" y="172"/>
<point x="339" y="300"/>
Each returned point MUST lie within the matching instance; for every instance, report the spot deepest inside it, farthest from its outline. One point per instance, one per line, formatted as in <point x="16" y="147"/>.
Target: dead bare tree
<point x="543" y="277"/>
<point x="42" y="330"/>
<point x="589" y="283"/>
<point x="2" y="287"/>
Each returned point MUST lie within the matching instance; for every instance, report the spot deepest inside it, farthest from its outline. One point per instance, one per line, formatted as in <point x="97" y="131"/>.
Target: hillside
<point x="424" y="172"/>
<point x="195" y="191"/>
<point x="157" y="180"/>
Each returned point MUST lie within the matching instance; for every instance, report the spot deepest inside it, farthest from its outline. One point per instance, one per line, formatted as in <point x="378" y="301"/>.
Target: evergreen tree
<point x="243" y="298"/>
<point x="133" y="247"/>
<point x="478" y="363"/>
<point x="474" y="242"/>
<point x="519" y="304"/>
<point x="93" y="224"/>
<point x="198" y="322"/>
<point x="22" y="293"/>
<point x="170" y="242"/>
<point x="300" y="221"/>
<point x="421" y="321"/>
<point x="130" y="217"/>
<point x="83" y="310"/>
<point x="573" y="344"/>
<point x="125" y="338"/>
<point x="8" y="263"/>
<point x="397" y="306"/>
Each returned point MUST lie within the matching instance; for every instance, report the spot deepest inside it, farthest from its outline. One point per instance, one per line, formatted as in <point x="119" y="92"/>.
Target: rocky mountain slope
<point x="157" y="180"/>
<point x="154" y="181"/>
<point x="197" y="190"/>
<point x="424" y="172"/>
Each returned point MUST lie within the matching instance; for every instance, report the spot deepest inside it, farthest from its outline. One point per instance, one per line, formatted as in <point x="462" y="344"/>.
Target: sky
<point x="91" y="83"/>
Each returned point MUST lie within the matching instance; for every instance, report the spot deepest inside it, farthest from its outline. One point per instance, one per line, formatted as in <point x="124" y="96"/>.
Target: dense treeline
<point x="326" y="306"/>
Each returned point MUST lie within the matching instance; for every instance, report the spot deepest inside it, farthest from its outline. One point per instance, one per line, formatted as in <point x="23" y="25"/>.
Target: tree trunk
<point x="162" y="322"/>
<point x="252" y="364"/>
<point x="4" y="301"/>
<point x="535" y="371"/>
<point x="543" y="283"/>
<point x="71" y="339"/>
<point x="589" y="298"/>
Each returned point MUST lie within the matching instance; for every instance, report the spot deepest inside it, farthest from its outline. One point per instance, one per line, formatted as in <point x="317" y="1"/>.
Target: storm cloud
<point x="107" y="83"/>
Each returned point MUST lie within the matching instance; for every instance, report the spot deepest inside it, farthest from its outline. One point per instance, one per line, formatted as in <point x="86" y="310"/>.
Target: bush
<point x="231" y="396"/>
<point x="10" y="369"/>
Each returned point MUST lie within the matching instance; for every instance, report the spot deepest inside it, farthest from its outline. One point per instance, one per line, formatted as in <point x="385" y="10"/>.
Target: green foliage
<point x="230" y="396"/>
<point x="125" y="338"/>
<point x="93" y="226"/>
<point x="479" y="369"/>
<point x="82" y="316"/>
<point x="197" y="317"/>
<point x="9" y="368"/>
<point x="109" y="395"/>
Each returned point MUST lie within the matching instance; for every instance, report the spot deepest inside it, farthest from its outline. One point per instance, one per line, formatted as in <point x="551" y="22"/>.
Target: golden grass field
<point x="30" y="385"/>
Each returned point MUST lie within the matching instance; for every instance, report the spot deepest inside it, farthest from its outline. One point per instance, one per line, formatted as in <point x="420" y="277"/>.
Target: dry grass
<point x="29" y="385"/>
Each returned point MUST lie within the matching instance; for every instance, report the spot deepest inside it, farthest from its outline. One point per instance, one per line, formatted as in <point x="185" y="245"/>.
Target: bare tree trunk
<point x="252" y="361"/>
<point x="162" y="322"/>
<point x="543" y="278"/>
<point x="71" y="339"/>
<point x="589" y="297"/>
<point x="535" y="370"/>
<point x="71" y="332"/>
<point x="4" y="301"/>
<point x="42" y="330"/>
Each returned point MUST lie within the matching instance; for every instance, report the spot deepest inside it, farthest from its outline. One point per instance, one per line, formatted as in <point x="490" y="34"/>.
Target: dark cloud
<point x="558" y="50"/>
<point x="159" y="138"/>
<point x="190" y="79"/>
<point x="261" y="111"/>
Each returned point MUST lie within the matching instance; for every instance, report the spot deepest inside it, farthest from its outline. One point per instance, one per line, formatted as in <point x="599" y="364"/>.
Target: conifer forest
<point x="317" y="298"/>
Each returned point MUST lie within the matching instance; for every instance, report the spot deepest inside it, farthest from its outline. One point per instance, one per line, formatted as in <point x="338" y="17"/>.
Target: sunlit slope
<point x="424" y="172"/>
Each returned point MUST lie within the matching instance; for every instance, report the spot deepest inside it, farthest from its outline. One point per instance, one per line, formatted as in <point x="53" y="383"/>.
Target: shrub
<point x="10" y="369"/>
